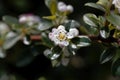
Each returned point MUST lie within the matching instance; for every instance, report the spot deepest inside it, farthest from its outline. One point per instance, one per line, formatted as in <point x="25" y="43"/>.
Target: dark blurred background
<point x="84" y="66"/>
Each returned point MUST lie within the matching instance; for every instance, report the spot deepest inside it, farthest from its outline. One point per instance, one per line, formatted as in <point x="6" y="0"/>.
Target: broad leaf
<point x="114" y="19"/>
<point x="81" y="41"/>
<point x="44" y="25"/>
<point x="46" y="40"/>
<point x="107" y="54"/>
<point x="90" y="19"/>
<point x="12" y="21"/>
<point x="11" y="40"/>
<point x="94" y="5"/>
<point x="71" y="24"/>
<point x="116" y="68"/>
<point x="54" y="53"/>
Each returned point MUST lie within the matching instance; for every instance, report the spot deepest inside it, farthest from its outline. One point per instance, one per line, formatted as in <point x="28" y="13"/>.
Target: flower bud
<point x="62" y="7"/>
<point x="4" y="28"/>
<point x="70" y="8"/>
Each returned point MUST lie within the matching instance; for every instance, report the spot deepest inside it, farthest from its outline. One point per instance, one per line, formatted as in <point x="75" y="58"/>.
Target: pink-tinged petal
<point x="61" y="27"/>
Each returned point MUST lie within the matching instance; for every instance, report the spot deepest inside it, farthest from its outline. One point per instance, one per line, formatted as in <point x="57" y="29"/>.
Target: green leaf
<point x="12" y="21"/>
<point x="81" y="41"/>
<point x="97" y="6"/>
<point x="44" y="25"/>
<point x="46" y="41"/>
<point x="71" y="24"/>
<point x="116" y="68"/>
<point x="117" y="56"/>
<point x="52" y="5"/>
<point x="104" y="32"/>
<point x="54" y="53"/>
<point x="107" y="55"/>
<point x="90" y="19"/>
<point x="11" y="40"/>
<point x="114" y="19"/>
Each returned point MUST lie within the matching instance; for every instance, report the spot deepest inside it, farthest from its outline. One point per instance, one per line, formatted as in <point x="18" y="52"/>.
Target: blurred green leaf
<point x="97" y="6"/>
<point x="114" y="19"/>
<point x="44" y="25"/>
<point x="12" y="21"/>
<point x="90" y="19"/>
<point x="81" y="41"/>
<point x="71" y="24"/>
<point x="116" y="68"/>
<point x="52" y="5"/>
<point x="46" y="40"/>
<point x="107" y="54"/>
<point x="117" y="56"/>
<point x="11" y="40"/>
<point x="54" y="53"/>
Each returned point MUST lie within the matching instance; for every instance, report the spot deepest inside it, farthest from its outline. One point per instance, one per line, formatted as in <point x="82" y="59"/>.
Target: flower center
<point x="61" y="36"/>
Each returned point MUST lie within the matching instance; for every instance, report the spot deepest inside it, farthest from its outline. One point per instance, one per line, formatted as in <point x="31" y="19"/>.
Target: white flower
<point x="29" y="19"/>
<point x="61" y="37"/>
<point x="70" y="8"/>
<point x="116" y="3"/>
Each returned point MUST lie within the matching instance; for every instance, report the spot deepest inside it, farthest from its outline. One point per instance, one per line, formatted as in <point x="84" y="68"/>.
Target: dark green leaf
<point x="94" y="5"/>
<point x="44" y="25"/>
<point x="116" y="68"/>
<point x="71" y="24"/>
<point x="107" y="54"/>
<point x="46" y="40"/>
<point x="104" y="32"/>
<point x="12" y="21"/>
<point x="81" y="41"/>
<point x="54" y="53"/>
<point x="114" y="19"/>
<point x="91" y="19"/>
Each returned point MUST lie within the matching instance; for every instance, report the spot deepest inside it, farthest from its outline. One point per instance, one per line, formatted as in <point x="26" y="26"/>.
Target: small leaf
<point x="104" y="32"/>
<point x="94" y="5"/>
<point x="107" y="54"/>
<point x="90" y="19"/>
<point x="81" y="41"/>
<point x="46" y="40"/>
<point x="10" y="20"/>
<point x="52" y="5"/>
<point x="71" y="24"/>
<point x="116" y="68"/>
<point x="54" y="53"/>
<point x="44" y="25"/>
<point x="114" y="19"/>
<point x="11" y="40"/>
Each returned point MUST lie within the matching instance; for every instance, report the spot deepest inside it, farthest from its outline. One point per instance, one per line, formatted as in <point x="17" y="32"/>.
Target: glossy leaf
<point x="81" y="41"/>
<point x="104" y="32"/>
<point x="90" y="19"/>
<point x="107" y="54"/>
<point x="94" y="5"/>
<point x="71" y="24"/>
<point x="54" y="53"/>
<point x="11" y="40"/>
<point x="116" y="68"/>
<point x="12" y="21"/>
<point x="46" y="40"/>
<point x="114" y="19"/>
<point x="44" y="25"/>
